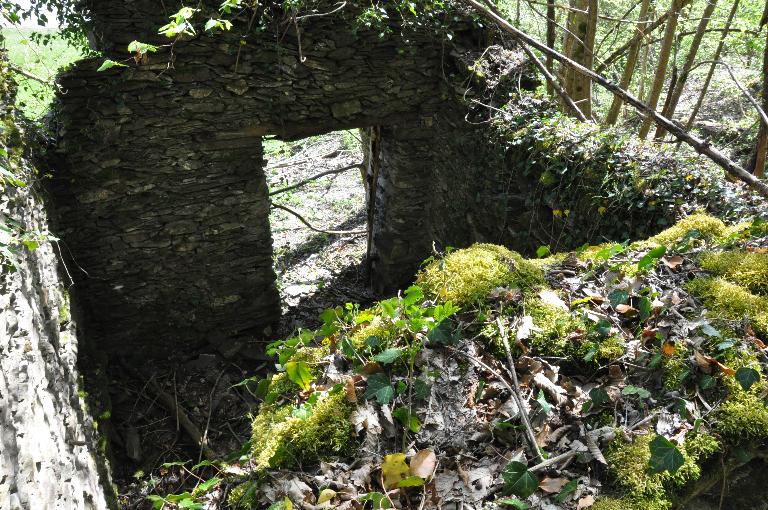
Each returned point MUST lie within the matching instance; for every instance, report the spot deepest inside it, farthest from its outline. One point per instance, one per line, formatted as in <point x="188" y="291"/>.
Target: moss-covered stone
<point x="629" y="465"/>
<point x="281" y="386"/>
<point x="744" y="268"/>
<point x="553" y="325"/>
<point x="730" y="301"/>
<point x="709" y="227"/>
<point x="244" y="495"/>
<point x="743" y="417"/>
<point x="466" y="277"/>
<point x="379" y="327"/>
<point x="280" y="439"/>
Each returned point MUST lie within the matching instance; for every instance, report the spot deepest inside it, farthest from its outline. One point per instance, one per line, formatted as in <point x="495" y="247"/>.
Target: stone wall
<point x="160" y="194"/>
<point x="48" y="450"/>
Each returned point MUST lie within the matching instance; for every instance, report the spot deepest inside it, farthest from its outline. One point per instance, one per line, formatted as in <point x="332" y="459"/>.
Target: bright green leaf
<point x="518" y="480"/>
<point x="299" y="373"/>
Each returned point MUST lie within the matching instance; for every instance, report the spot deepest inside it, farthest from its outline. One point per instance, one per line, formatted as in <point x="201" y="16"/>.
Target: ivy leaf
<point x="566" y="491"/>
<point x="299" y="373"/>
<point x="545" y="406"/>
<point x="109" y="64"/>
<point x="411" y="481"/>
<point x="634" y="390"/>
<point x="664" y="455"/>
<point x="650" y="258"/>
<point x="206" y="485"/>
<point x="407" y="419"/>
<point x="514" y="503"/>
<point x="442" y="334"/>
<point x="618" y="297"/>
<point x="518" y="480"/>
<point x="377" y="499"/>
<point x="388" y="355"/>
<point x="747" y="377"/>
<point x="380" y="388"/>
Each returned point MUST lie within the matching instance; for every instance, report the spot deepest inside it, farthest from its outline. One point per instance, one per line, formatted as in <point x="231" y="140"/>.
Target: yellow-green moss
<point x="609" y="503"/>
<point x="552" y="327"/>
<point x="467" y="276"/>
<point x="379" y="327"/>
<point x="743" y="417"/>
<point x="745" y="268"/>
<point x="731" y="301"/>
<point x="629" y="465"/>
<point x="710" y="228"/>
<point x="607" y="350"/>
<point x="283" y="440"/>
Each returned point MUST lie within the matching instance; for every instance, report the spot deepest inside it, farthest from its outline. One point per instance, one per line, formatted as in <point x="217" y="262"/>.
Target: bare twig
<point x="699" y="145"/>
<point x="313" y="178"/>
<point x="553" y="460"/>
<point x="27" y="74"/>
<point x="315" y="229"/>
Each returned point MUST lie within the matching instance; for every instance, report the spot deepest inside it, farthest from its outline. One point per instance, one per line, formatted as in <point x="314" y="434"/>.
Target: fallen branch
<point x="313" y="178"/>
<point x="531" y="437"/>
<point x="170" y="404"/>
<point x="701" y="146"/>
<point x="315" y="229"/>
<point x="27" y="74"/>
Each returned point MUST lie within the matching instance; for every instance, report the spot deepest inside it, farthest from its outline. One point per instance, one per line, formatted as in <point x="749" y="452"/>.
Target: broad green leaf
<point x="514" y="503"/>
<point x="284" y="504"/>
<point x="380" y="388"/>
<point x="566" y="491"/>
<point x="599" y="396"/>
<point x="109" y="64"/>
<point x="634" y="390"/>
<point x="377" y="499"/>
<point x="545" y="406"/>
<point x="518" y="480"/>
<point x="650" y="258"/>
<point x="206" y="485"/>
<point x="443" y="334"/>
<point x="747" y="377"/>
<point x="664" y="455"/>
<point x="543" y="251"/>
<point x="618" y="297"/>
<point x="388" y="355"/>
<point x="422" y="390"/>
<point x="299" y="373"/>
<point x="394" y="469"/>
<point x="411" y="481"/>
<point x="407" y="419"/>
<point x="157" y="502"/>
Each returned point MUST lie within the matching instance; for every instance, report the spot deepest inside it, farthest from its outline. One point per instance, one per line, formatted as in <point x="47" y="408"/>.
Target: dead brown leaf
<point x="707" y="364"/>
<point x="349" y="389"/>
<point x="673" y="261"/>
<point x="585" y="502"/>
<point x="423" y="464"/>
<point x="553" y="485"/>
<point x="627" y="310"/>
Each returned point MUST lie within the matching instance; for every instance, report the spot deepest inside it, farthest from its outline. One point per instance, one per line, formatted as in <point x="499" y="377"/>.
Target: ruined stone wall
<point x="161" y="196"/>
<point x="49" y="457"/>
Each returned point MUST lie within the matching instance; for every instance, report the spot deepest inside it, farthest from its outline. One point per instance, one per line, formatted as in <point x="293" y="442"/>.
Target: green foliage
<point x="518" y="480"/>
<point x="466" y="277"/>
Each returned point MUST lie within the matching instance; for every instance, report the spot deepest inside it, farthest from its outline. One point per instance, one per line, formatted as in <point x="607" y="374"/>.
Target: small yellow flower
<point x="557" y="213"/>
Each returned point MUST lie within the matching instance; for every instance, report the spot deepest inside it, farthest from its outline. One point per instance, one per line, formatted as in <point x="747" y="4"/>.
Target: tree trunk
<point x="661" y="69"/>
<point x="690" y="60"/>
<point x="711" y="72"/>
<point x="629" y="67"/>
<point x="579" y="46"/>
<point x="758" y="168"/>
<point x="550" y="42"/>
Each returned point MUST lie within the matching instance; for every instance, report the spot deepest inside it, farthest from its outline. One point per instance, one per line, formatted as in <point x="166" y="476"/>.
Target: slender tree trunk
<point x="758" y="168"/>
<point x="690" y="60"/>
<point x="711" y="73"/>
<point x="550" y="41"/>
<point x="641" y="93"/>
<point x="661" y="69"/>
<point x="629" y="67"/>
<point x="579" y="46"/>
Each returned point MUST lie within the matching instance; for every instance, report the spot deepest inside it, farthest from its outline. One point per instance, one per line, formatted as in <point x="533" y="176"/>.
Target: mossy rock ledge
<point x="623" y="334"/>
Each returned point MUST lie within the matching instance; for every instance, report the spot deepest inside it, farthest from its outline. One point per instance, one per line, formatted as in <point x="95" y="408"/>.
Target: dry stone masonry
<point x="161" y="196"/>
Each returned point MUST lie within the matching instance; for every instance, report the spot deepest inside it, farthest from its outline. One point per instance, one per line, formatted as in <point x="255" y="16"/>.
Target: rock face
<point x="161" y="195"/>
<point x="48" y="453"/>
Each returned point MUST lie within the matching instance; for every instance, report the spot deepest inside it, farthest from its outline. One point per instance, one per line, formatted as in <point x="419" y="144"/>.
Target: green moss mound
<point x="283" y="438"/>
<point x="743" y="418"/>
<point x="629" y="465"/>
<point x="744" y="268"/>
<point x="467" y="276"/>
<point x="730" y="301"/>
